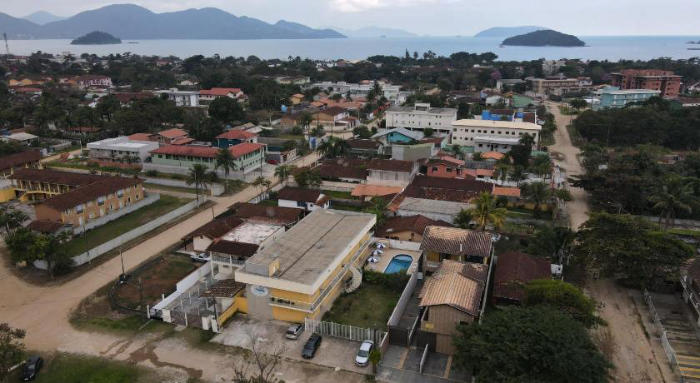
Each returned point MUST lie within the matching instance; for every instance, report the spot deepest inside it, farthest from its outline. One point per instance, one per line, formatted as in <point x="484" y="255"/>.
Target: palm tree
<point x="378" y="207"/>
<point x="463" y="219"/>
<point x="198" y="177"/>
<point x="486" y="212"/>
<point x="676" y="195"/>
<point x="500" y="171"/>
<point x="517" y="174"/>
<point x="537" y="193"/>
<point x="262" y="182"/>
<point x="333" y="147"/>
<point x="542" y="165"/>
<point x="226" y="161"/>
<point x="457" y="151"/>
<point x="283" y="172"/>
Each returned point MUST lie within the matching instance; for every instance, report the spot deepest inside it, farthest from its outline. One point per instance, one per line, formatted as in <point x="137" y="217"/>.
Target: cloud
<point x="351" y="6"/>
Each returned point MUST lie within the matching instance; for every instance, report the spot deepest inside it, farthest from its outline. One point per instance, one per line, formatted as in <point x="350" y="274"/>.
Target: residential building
<point x="445" y="168"/>
<point x="410" y="228"/>
<point x="37" y="184"/>
<point x="664" y="81"/>
<point x="364" y="148"/>
<point x="401" y="136"/>
<point x="452" y="296"/>
<point x="334" y="116"/>
<point x="235" y="137"/>
<point x="561" y="86"/>
<point x="93" y="81"/>
<point x="391" y="172"/>
<point x="206" y="234"/>
<point x="285" y="216"/>
<point x="391" y="92"/>
<point x="513" y="271"/>
<point x="179" y="159"/>
<point x="488" y="135"/>
<point x="420" y="117"/>
<point x="26" y="159"/>
<point x="301" y="273"/>
<point x="615" y="98"/>
<point x="367" y="192"/>
<point x="21" y="138"/>
<point x="209" y="95"/>
<point x="174" y="136"/>
<point x="186" y="98"/>
<point x="307" y="199"/>
<point x="107" y="195"/>
<point x="296" y="98"/>
<point x="550" y="67"/>
<point x="442" y="242"/>
<point x="343" y="169"/>
<point x="293" y="80"/>
<point x="120" y="150"/>
<point x="232" y="229"/>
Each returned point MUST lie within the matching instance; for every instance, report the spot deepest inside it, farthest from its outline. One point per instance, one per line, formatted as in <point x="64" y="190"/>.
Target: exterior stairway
<point x="356" y="280"/>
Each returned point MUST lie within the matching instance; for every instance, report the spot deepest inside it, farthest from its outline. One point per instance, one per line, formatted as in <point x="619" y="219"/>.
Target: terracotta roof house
<point x="169" y="135"/>
<point x="214" y="93"/>
<point x="12" y="162"/>
<point x="286" y="216"/>
<point x="46" y="227"/>
<point x="143" y="137"/>
<point x="307" y="199"/>
<point x="514" y="270"/>
<point x="368" y="191"/>
<point x="235" y="137"/>
<point x="451" y="296"/>
<point x="180" y="158"/>
<point x="443" y="242"/>
<point x="391" y="172"/>
<point x="406" y="228"/>
<point x="235" y="252"/>
<point x="364" y="148"/>
<point x="343" y="169"/>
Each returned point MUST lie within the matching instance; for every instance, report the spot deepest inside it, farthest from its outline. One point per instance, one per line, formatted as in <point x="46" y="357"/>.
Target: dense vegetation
<point x="96" y="38"/>
<point x="544" y="38"/>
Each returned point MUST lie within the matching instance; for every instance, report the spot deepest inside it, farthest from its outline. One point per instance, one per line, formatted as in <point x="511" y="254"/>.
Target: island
<point x="96" y="38"/>
<point x="546" y="38"/>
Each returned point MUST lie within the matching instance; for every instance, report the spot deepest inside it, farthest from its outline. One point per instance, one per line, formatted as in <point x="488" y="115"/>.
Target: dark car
<point x="311" y="346"/>
<point x="31" y="368"/>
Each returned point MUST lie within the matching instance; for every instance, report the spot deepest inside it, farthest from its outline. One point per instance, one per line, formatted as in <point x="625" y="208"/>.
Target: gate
<point x="344" y="331"/>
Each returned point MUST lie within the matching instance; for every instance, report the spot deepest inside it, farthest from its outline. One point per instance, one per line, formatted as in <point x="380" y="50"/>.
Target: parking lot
<point x="334" y="352"/>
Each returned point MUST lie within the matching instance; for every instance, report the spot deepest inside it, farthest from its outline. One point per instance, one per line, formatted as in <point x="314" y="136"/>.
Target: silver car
<point x="294" y="331"/>
<point x="362" y="357"/>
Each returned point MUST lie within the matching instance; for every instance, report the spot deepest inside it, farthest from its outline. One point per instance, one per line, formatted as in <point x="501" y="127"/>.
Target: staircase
<point x="356" y="280"/>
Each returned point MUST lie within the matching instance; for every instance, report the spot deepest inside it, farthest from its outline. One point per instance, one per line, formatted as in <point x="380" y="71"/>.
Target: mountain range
<point x="130" y="21"/>
<point x="42" y="17"/>
<point x="502" y="32"/>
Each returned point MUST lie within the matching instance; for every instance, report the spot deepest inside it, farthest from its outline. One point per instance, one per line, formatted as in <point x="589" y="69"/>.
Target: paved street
<point x="44" y="310"/>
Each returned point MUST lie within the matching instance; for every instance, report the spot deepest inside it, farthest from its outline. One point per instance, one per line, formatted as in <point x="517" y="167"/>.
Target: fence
<point x="344" y="331"/>
<point x="151" y="198"/>
<point x="126" y="237"/>
<point x="216" y="188"/>
<point x="668" y="349"/>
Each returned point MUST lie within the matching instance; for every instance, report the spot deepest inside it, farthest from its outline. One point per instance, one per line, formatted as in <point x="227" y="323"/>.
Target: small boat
<point x="132" y="42"/>
<point x="694" y="49"/>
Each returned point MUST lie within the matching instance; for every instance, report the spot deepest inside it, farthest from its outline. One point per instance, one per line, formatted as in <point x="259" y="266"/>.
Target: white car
<point x="200" y="257"/>
<point x="362" y="357"/>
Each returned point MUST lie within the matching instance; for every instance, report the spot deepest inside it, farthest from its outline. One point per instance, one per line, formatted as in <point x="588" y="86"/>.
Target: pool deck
<point x="389" y="254"/>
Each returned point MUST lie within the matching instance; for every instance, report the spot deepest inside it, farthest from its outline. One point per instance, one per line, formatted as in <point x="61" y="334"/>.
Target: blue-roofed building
<point x="615" y="98"/>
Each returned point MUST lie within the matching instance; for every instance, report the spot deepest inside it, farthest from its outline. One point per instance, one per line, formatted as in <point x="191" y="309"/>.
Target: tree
<point x="198" y="177"/>
<point x="362" y="132"/>
<point x="374" y="357"/>
<point x="477" y="156"/>
<point x="48" y="247"/>
<point x="486" y="212"/>
<point x="463" y="219"/>
<point x="632" y="248"/>
<point x="283" y="172"/>
<point x="305" y="120"/>
<point x="578" y="103"/>
<point x="554" y="243"/>
<point x="378" y="207"/>
<point x="308" y="178"/>
<point x="673" y="196"/>
<point x="11" y="218"/>
<point x="333" y="147"/>
<point x="11" y="348"/>
<point x="428" y="132"/>
<point x="457" y="151"/>
<point x="262" y="182"/>
<point x="500" y="171"/>
<point x="226" y="161"/>
<point x="226" y="110"/>
<point x="258" y="365"/>
<point x="564" y="297"/>
<point x="534" y="344"/>
<point x="19" y="242"/>
<point x="538" y="193"/>
<point x="517" y="174"/>
<point x="542" y="166"/>
<point x="520" y="153"/>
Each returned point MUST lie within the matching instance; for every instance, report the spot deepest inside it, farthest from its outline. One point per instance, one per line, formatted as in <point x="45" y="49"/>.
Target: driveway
<point x="269" y="335"/>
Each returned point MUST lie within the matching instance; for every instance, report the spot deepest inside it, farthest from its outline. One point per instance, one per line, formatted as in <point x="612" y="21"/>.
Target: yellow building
<point x="300" y="274"/>
<point x="440" y="243"/>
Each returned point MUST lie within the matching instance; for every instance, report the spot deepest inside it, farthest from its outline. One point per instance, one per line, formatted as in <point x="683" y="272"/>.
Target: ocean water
<point x="598" y="47"/>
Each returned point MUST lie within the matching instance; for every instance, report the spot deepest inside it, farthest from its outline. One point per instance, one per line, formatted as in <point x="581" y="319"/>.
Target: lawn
<point x="70" y="368"/>
<point x="268" y="202"/>
<point x="121" y="225"/>
<point x="157" y="277"/>
<point x="337" y="194"/>
<point x="370" y="306"/>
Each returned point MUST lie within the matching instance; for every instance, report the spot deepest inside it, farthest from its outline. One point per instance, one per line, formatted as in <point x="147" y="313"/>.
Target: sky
<point x="431" y="17"/>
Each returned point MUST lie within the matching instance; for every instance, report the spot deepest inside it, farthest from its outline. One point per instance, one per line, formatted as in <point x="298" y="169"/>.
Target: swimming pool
<point x="398" y="264"/>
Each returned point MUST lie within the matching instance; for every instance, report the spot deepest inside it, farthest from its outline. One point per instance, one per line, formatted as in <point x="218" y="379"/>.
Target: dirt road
<point x="44" y="311"/>
<point x="633" y="355"/>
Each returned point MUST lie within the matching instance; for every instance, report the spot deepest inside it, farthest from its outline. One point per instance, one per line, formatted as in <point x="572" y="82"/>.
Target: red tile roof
<point x="235" y="134"/>
<point x="446" y="189"/>
<point x="219" y="91"/>
<point x="182" y="141"/>
<point x="272" y="214"/>
<point x="173" y="133"/>
<point x="299" y="194"/>
<point x="454" y="241"/>
<point x="19" y="159"/>
<point x="391" y="165"/>
<point x="216" y="228"/>
<point x="187" y="150"/>
<point x="101" y="188"/>
<point x="45" y="226"/>
<point x="55" y="177"/>
<point x="343" y="168"/>
<point x="239" y="250"/>
<point x="142" y="137"/>
<point x="244" y="148"/>
<point x="513" y="270"/>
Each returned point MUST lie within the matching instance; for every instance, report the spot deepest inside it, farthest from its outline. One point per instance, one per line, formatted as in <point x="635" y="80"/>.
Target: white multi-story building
<point x="391" y="92"/>
<point x="420" y="117"/>
<point x="121" y="149"/>
<point x="181" y="97"/>
<point x="492" y="136"/>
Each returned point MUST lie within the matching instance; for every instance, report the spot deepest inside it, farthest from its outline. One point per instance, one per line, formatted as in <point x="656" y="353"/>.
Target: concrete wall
<point x="151" y="198"/>
<point x="126" y="237"/>
<point x="216" y="189"/>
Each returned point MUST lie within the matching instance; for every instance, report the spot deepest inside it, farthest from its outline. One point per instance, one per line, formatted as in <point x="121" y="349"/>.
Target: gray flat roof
<point x="311" y="247"/>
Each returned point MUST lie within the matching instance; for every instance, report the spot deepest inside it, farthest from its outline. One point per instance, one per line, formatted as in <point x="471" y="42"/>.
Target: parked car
<point x="200" y="257"/>
<point x="294" y="331"/>
<point x="362" y="357"/>
<point x="311" y="346"/>
<point x="31" y="368"/>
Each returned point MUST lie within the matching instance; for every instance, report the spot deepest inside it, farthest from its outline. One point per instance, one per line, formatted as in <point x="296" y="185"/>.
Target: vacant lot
<point x="155" y="278"/>
<point x="119" y="226"/>
<point x="369" y="306"/>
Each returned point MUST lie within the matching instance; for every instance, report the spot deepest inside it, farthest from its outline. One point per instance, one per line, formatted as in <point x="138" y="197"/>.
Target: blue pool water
<point x="398" y="264"/>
